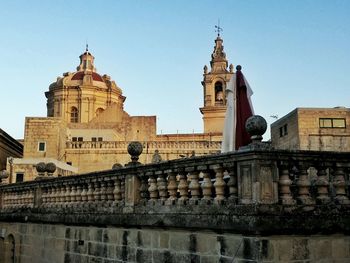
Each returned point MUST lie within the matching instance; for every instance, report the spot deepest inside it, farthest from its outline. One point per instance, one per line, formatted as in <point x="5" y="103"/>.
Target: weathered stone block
<point x="179" y="241"/>
<point x="341" y="248"/>
<point x="163" y="256"/>
<point x="230" y="245"/>
<point x="96" y="249"/>
<point x="207" y="244"/>
<point x="320" y="249"/>
<point x="143" y="256"/>
<point x="95" y="234"/>
<point x="144" y="238"/>
<point x="115" y="236"/>
<point x="300" y="248"/>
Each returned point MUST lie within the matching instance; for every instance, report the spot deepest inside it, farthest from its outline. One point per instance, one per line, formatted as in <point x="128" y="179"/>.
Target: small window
<point x="283" y="130"/>
<point x="69" y="163"/>
<point x="332" y="123"/>
<point x="93" y="139"/>
<point x="42" y="147"/>
<point x="100" y="139"/>
<point x="19" y="177"/>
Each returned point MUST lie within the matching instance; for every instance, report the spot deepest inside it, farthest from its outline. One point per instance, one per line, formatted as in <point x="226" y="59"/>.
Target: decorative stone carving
<point x="156" y="158"/>
<point x="256" y="126"/>
<point x="50" y="168"/>
<point x="207" y="186"/>
<point x="134" y="149"/>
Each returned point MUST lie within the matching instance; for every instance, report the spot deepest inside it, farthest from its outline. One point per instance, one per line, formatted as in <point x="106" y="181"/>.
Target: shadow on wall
<point x="7" y="249"/>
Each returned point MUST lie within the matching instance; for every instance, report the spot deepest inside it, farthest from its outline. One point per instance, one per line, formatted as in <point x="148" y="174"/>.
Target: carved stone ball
<point x="256" y="125"/>
<point x="117" y="166"/>
<point x="135" y="148"/>
<point x="40" y="167"/>
<point x="50" y="168"/>
<point x="4" y="174"/>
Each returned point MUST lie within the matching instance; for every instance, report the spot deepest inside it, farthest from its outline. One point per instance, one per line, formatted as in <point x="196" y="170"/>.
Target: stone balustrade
<point x="151" y="145"/>
<point x="234" y="190"/>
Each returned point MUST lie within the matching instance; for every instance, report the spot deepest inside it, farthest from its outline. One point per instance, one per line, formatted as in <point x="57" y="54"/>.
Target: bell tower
<point x="214" y="85"/>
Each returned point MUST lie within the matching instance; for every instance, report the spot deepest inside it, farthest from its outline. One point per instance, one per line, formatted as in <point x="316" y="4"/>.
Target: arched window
<point x="219" y="93"/>
<point x="74" y="114"/>
<point x="99" y="111"/>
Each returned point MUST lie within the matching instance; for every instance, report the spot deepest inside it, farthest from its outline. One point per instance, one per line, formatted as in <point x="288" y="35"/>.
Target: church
<point x="87" y="128"/>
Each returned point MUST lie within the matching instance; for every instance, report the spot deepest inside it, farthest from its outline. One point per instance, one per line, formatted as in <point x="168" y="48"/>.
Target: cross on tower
<point x="218" y="28"/>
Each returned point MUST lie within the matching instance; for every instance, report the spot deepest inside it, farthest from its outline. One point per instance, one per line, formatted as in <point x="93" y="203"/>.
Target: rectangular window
<point x="19" y="177"/>
<point x="332" y="123"/>
<point x="100" y="139"/>
<point x="93" y="139"/>
<point x="284" y="130"/>
<point x="42" y="147"/>
<point x="69" y="163"/>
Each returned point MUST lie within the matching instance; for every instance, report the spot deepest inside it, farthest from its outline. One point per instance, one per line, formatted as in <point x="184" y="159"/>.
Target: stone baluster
<point x="56" y="195"/>
<point x="44" y="195"/>
<point x="84" y="194"/>
<point x="172" y="187"/>
<point x="110" y="188"/>
<point x="62" y="194"/>
<point x="144" y="188"/>
<point x="52" y="198"/>
<point x="152" y="189"/>
<point x="183" y="187"/>
<point x="78" y="197"/>
<point x="194" y="186"/>
<point x="322" y="184"/>
<point x="97" y="191"/>
<point x="122" y="187"/>
<point x="73" y="193"/>
<point x="207" y="186"/>
<point x="90" y="192"/>
<point x="67" y="197"/>
<point x="285" y="194"/>
<point x="232" y="184"/>
<point x="162" y="186"/>
<point x="219" y="183"/>
<point x="32" y="198"/>
<point x="303" y="184"/>
<point x="117" y="190"/>
<point x="103" y="191"/>
<point x="339" y="185"/>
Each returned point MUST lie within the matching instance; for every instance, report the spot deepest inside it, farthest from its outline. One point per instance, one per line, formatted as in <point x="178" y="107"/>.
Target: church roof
<point x="80" y="75"/>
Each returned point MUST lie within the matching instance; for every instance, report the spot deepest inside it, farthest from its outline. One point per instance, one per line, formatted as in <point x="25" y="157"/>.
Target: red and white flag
<point x="239" y="109"/>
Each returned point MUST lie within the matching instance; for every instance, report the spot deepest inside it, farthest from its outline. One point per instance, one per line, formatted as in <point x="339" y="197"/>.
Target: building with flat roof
<point x="317" y="129"/>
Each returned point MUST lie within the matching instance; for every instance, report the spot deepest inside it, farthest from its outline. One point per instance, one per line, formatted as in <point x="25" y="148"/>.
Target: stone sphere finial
<point x="50" y="168"/>
<point x="40" y="167"/>
<point x="256" y="126"/>
<point x="116" y="166"/>
<point x="239" y="67"/>
<point x="135" y="149"/>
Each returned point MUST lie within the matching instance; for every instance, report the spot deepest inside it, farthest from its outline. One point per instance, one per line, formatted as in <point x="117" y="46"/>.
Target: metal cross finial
<point x="87" y="47"/>
<point x="218" y="28"/>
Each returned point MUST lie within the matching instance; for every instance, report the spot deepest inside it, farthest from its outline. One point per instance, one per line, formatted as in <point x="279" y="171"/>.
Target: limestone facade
<point x="317" y="129"/>
<point x="214" y="85"/>
<point x="87" y="129"/>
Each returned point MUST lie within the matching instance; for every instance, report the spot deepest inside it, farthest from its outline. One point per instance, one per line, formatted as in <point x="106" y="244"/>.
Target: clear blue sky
<point x="293" y="53"/>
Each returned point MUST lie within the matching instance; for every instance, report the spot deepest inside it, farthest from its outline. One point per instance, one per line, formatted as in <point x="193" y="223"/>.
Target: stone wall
<point x="59" y="243"/>
<point x="304" y="131"/>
